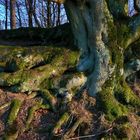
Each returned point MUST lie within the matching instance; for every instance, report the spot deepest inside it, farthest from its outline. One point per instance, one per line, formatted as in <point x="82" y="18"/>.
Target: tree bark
<point x="93" y="23"/>
<point x="35" y="16"/>
<point x="6" y="14"/>
<point x="58" y="14"/>
<point x="12" y="14"/>
<point x="89" y="27"/>
<point x="29" y="7"/>
<point x="49" y="14"/>
<point x="19" y="14"/>
<point x="103" y="33"/>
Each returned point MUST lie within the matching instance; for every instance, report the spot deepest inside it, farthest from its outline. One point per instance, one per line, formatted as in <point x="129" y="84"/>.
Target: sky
<point x="2" y="11"/>
<point x="130" y="7"/>
<point x="2" y="16"/>
<point x="130" y="4"/>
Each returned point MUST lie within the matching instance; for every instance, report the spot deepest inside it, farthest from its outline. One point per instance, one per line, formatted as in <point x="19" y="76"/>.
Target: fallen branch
<point x="5" y="105"/>
<point x="89" y="136"/>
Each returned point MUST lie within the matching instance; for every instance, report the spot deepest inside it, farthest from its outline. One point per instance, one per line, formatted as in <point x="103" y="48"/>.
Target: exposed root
<point x="32" y="95"/>
<point x="11" y="136"/>
<point x="79" y="110"/>
<point x="72" y="130"/>
<point x="15" y="107"/>
<point x="31" y="116"/>
<point x="92" y="135"/>
<point x="63" y="119"/>
<point x="49" y="97"/>
<point x="12" y="132"/>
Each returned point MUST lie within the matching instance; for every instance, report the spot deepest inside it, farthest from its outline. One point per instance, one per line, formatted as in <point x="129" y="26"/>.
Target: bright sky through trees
<point x="131" y="12"/>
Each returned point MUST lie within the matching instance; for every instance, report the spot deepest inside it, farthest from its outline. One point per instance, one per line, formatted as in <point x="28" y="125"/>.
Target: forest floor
<point x="43" y="118"/>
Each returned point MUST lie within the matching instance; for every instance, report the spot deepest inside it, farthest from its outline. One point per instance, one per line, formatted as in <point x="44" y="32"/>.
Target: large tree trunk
<point x="102" y="33"/>
<point x="12" y="14"/>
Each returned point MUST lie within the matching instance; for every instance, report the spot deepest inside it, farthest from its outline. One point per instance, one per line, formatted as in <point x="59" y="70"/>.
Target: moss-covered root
<point x="72" y="130"/>
<point x="32" y="95"/>
<point x="32" y="111"/>
<point x="126" y="96"/>
<point x="10" y="79"/>
<point x="5" y="105"/>
<point x="12" y="132"/>
<point x="15" y="107"/>
<point x="125" y="132"/>
<point x="11" y="136"/>
<point x="63" y="119"/>
<point x="49" y="97"/>
<point x="31" y="116"/>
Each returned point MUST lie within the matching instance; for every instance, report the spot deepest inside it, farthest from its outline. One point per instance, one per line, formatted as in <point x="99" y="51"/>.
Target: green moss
<point x="63" y="119"/>
<point x="110" y="106"/>
<point x="36" y="68"/>
<point x="121" y="6"/>
<point x="126" y="96"/>
<point x="123" y="35"/>
<point x="15" y="107"/>
<point x="72" y="58"/>
<point x="31" y="114"/>
<point x="11" y="136"/>
<point x="124" y="132"/>
<point x="107" y="102"/>
<point x="9" y="79"/>
<point x="49" y="97"/>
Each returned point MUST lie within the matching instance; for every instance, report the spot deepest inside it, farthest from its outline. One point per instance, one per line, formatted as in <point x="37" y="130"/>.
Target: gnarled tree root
<point x="72" y="130"/>
<point x="63" y="119"/>
<point x="12" y="132"/>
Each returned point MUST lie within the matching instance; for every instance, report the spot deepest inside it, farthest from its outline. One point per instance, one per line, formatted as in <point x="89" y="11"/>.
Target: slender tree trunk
<point x="54" y="14"/>
<point x="35" y="16"/>
<point x="12" y="14"/>
<point x="49" y="14"/>
<point x="58" y="14"/>
<point x="6" y="14"/>
<point x="29" y="8"/>
<point x="19" y="15"/>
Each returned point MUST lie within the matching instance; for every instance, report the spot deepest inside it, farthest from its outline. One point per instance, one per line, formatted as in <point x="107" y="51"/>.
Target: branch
<point x="132" y="67"/>
<point x="134" y="25"/>
<point x="118" y="8"/>
<point x="136" y="5"/>
<point x="58" y="1"/>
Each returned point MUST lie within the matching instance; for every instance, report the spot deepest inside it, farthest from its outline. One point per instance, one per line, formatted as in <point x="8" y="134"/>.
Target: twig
<point x="89" y="136"/>
<point x="5" y="105"/>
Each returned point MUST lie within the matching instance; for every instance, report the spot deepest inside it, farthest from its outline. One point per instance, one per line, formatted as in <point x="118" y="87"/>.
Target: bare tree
<point x="6" y="14"/>
<point x="13" y="14"/>
<point x="58" y="14"/>
<point x="19" y="14"/>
